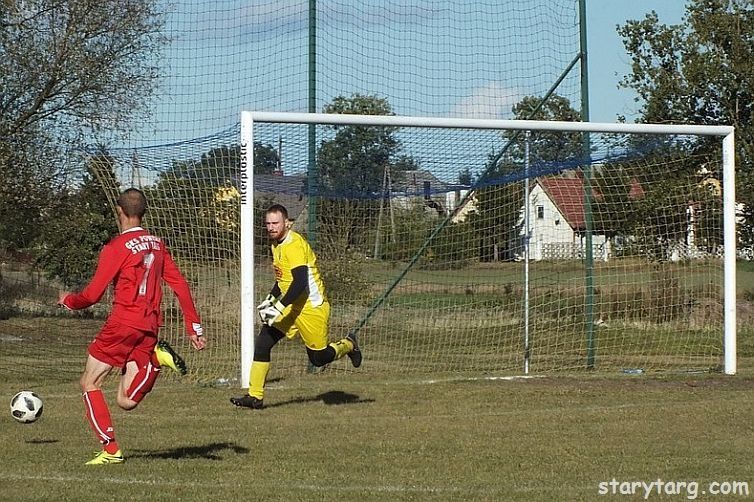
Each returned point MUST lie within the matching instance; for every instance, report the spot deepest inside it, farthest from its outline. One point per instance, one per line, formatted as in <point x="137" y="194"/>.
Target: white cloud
<point x="492" y="101"/>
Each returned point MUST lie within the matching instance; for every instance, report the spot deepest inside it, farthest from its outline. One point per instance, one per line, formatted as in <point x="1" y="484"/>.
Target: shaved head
<point x="133" y="203"/>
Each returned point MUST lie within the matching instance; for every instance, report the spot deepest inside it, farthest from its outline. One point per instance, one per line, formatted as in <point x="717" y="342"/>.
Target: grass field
<point x="470" y="321"/>
<point x="335" y="437"/>
<point x="407" y="425"/>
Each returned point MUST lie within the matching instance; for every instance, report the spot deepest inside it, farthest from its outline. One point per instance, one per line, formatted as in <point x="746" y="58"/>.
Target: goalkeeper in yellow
<point x="296" y="305"/>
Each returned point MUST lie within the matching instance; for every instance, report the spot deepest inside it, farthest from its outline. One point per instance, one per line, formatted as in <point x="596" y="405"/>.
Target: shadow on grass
<point x="210" y="452"/>
<point x="333" y="397"/>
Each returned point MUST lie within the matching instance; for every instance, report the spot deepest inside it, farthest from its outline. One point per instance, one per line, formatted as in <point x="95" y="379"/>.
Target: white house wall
<point x="548" y="226"/>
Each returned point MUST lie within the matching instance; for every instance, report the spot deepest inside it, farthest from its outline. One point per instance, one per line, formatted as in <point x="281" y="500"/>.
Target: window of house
<point x="540" y="212"/>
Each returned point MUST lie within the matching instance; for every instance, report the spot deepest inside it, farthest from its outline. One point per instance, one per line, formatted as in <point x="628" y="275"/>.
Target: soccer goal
<point x="492" y="247"/>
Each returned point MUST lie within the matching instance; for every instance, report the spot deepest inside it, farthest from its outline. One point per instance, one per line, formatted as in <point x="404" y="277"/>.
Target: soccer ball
<point x="26" y="407"/>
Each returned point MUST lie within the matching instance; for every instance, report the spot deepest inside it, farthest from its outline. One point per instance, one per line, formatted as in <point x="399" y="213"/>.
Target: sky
<point x="216" y="74"/>
<point x="254" y="50"/>
<point x="608" y="61"/>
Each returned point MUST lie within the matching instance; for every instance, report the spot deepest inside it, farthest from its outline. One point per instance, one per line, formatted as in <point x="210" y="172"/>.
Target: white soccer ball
<point x="26" y="407"/>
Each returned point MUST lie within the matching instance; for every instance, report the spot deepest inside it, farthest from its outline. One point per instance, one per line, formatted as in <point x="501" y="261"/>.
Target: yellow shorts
<point x="312" y="323"/>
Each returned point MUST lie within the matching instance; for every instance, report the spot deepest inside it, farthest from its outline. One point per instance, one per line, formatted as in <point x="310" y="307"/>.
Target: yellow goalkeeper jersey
<point x="294" y="252"/>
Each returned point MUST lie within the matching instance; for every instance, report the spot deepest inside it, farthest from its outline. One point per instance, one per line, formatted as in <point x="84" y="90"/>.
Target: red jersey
<point x="136" y="263"/>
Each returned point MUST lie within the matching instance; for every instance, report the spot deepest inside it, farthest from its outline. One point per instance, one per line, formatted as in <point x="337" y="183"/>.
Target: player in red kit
<point x="135" y="263"/>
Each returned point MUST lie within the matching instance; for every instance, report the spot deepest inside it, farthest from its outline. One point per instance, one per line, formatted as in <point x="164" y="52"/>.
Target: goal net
<point x="423" y="251"/>
<point x="493" y="247"/>
<point x="450" y="247"/>
<point x="428" y="57"/>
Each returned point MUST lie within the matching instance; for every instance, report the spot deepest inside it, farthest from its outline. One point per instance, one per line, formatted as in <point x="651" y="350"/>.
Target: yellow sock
<point x="342" y="347"/>
<point x="257" y="378"/>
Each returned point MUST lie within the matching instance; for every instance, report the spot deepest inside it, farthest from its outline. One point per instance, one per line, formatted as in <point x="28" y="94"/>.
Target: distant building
<point x="290" y="191"/>
<point x="558" y="223"/>
<point x="409" y="187"/>
<point x="556" y="211"/>
<point x="557" y="220"/>
<point x="406" y="189"/>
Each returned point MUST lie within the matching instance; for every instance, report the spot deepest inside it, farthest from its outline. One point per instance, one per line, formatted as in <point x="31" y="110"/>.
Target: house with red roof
<point x="557" y="220"/>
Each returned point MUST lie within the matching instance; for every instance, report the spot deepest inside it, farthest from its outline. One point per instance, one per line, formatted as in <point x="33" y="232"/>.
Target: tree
<point x="352" y="170"/>
<point x="70" y="71"/>
<point x="615" y="207"/>
<point x="62" y="60"/>
<point x="465" y="177"/>
<point x="405" y="163"/>
<point x="497" y="215"/>
<point x="647" y="198"/>
<point x="221" y="165"/>
<point x="700" y="72"/>
<point x="546" y="146"/>
<point x="26" y="189"/>
<point x="82" y="221"/>
<point x="497" y="219"/>
<point x="353" y="162"/>
<point x="201" y="194"/>
<point x="266" y="158"/>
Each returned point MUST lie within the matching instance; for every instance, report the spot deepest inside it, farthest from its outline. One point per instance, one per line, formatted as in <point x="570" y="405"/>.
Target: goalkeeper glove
<point x="271" y="313"/>
<point x="196" y="329"/>
<point x="268" y="301"/>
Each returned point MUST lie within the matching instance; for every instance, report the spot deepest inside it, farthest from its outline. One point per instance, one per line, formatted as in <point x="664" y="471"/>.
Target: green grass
<point x="406" y="426"/>
<point x="429" y="320"/>
<point x="348" y="438"/>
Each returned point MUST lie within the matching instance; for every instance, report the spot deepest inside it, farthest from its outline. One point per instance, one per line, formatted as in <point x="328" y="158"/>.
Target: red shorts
<point x="116" y="344"/>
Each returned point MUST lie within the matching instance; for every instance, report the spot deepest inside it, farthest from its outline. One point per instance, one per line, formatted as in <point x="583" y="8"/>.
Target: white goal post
<point x="248" y="220"/>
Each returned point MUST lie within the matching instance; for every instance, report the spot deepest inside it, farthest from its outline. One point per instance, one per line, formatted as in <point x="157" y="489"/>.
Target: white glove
<point x="197" y="329"/>
<point x="270" y="300"/>
<point x="271" y="313"/>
